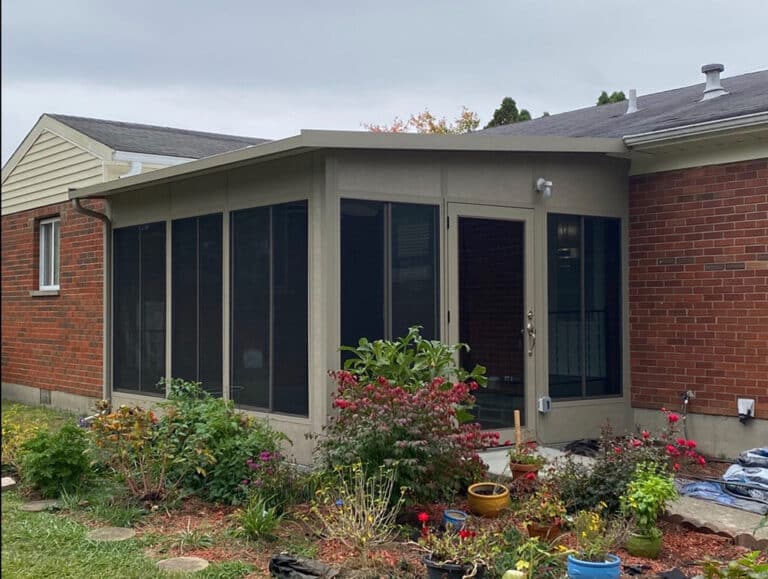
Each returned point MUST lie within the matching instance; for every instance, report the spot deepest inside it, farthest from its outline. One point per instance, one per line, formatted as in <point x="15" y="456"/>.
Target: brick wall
<point x="698" y="253"/>
<point x="53" y="342"/>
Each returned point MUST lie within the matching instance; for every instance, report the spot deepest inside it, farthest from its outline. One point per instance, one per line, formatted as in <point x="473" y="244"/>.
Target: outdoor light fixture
<point x="544" y="187"/>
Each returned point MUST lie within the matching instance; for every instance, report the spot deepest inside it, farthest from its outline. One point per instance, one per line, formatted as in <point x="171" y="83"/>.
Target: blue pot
<point x="454" y="520"/>
<point x="578" y="568"/>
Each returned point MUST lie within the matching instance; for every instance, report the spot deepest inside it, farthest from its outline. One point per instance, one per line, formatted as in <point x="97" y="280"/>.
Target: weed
<point x="258" y="520"/>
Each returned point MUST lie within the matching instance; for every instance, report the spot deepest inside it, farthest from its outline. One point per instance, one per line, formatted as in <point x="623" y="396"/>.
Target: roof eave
<point x="310" y="140"/>
<point x="708" y="129"/>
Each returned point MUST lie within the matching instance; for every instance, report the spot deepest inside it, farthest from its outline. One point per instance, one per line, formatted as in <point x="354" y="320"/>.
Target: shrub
<point x="216" y="441"/>
<point x="381" y="423"/>
<point x="647" y="492"/>
<point x="270" y="475"/>
<point x="56" y="462"/>
<point x="606" y="481"/>
<point x="133" y="446"/>
<point x="360" y="509"/>
<point x="21" y="423"/>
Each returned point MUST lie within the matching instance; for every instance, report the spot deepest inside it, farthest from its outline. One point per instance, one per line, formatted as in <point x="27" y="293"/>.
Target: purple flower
<point x="265" y="455"/>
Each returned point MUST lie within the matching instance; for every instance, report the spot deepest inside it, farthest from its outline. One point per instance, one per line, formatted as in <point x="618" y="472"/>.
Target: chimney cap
<point x="714" y="67"/>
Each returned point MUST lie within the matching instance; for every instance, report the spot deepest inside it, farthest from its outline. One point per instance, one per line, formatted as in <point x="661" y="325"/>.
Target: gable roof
<point x="747" y="94"/>
<point x="154" y="140"/>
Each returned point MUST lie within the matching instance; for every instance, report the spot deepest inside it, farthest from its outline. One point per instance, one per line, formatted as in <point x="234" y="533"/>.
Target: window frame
<point x="49" y="249"/>
<point x="583" y="351"/>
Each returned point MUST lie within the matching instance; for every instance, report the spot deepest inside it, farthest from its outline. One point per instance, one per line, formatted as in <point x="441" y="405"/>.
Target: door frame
<point x="525" y="215"/>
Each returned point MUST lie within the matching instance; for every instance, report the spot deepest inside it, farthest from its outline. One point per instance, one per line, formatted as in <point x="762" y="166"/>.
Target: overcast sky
<point x="270" y="68"/>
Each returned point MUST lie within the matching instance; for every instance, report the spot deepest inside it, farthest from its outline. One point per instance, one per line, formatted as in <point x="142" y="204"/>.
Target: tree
<point x="615" y="97"/>
<point x="426" y="122"/>
<point x="507" y="114"/>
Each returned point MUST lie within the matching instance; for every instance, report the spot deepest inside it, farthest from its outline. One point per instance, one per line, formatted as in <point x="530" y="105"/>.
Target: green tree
<point x="426" y="122"/>
<point x="614" y="97"/>
<point x="507" y="114"/>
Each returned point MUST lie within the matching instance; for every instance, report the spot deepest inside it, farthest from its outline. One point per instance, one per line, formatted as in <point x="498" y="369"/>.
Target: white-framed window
<point x="49" y="253"/>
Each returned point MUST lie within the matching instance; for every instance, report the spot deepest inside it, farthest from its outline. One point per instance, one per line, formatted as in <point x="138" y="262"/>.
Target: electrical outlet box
<point x="544" y="404"/>
<point x="746" y="407"/>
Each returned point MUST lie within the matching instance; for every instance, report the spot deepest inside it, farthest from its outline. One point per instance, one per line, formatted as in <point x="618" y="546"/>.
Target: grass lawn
<point x="47" y="544"/>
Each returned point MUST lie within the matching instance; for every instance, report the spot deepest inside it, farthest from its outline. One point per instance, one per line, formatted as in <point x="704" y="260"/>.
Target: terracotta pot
<point x="519" y="470"/>
<point x="546" y="532"/>
<point x="487" y="499"/>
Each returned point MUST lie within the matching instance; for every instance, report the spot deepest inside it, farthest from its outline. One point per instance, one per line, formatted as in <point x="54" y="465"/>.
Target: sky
<point x="271" y="68"/>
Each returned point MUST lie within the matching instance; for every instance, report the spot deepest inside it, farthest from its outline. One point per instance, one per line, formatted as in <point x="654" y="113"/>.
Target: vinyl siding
<point x="48" y="169"/>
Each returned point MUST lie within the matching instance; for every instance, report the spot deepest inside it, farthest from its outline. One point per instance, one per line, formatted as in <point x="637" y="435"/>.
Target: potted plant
<point x="487" y="499"/>
<point x="595" y="538"/>
<point x="543" y="513"/>
<point x="524" y="461"/>
<point x="461" y="555"/>
<point x="644" y="500"/>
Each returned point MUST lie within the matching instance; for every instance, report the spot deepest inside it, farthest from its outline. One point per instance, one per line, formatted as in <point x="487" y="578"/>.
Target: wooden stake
<point x="518" y="431"/>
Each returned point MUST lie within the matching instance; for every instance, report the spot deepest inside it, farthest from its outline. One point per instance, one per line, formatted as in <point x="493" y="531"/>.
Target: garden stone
<point x="8" y="483"/>
<point x="109" y="534"/>
<point x="39" y="506"/>
<point x="182" y="564"/>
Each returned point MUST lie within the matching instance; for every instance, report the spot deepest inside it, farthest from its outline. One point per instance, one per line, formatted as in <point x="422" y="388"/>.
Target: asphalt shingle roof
<point x="154" y="140"/>
<point x="747" y="94"/>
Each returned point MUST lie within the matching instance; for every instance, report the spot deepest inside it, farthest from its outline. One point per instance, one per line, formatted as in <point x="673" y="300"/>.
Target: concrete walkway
<point x="708" y="516"/>
<point x="498" y="463"/>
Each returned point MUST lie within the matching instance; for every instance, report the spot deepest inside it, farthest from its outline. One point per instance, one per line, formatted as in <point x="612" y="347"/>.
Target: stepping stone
<point x="109" y="534"/>
<point x="38" y="506"/>
<point x="8" y="483"/>
<point x="182" y="564"/>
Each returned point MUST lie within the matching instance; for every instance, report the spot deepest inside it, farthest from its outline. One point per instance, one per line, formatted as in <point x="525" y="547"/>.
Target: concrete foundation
<point x="716" y="436"/>
<point x="81" y="405"/>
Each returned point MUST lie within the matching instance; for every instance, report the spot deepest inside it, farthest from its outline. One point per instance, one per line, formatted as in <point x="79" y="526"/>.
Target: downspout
<point x="106" y="390"/>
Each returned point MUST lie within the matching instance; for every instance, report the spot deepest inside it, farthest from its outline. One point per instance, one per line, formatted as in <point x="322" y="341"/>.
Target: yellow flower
<point x="521" y="564"/>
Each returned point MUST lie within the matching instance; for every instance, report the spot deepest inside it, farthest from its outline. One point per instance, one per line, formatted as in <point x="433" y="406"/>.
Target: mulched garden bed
<point x="683" y="548"/>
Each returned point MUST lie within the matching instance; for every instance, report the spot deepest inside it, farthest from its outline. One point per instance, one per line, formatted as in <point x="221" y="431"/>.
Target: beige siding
<point x="48" y="169"/>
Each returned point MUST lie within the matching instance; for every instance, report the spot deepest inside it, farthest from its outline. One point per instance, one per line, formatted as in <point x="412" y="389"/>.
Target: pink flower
<point x="530" y="476"/>
<point x="635" y="442"/>
<point x="672" y="417"/>
<point x="507" y="443"/>
<point x="617" y="449"/>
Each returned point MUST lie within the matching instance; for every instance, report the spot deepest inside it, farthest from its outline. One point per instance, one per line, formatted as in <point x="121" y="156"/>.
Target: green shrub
<point x="214" y="440"/>
<point x="56" y="462"/>
<point x="412" y="414"/>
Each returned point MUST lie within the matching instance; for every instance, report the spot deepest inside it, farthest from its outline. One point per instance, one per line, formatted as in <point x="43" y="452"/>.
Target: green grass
<point x="40" y="545"/>
<point x="18" y="411"/>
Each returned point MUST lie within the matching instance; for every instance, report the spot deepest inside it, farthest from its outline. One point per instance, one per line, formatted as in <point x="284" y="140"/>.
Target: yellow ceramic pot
<point x="487" y="499"/>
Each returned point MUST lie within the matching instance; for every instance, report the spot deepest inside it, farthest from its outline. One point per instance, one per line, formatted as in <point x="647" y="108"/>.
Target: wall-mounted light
<point x="544" y="187"/>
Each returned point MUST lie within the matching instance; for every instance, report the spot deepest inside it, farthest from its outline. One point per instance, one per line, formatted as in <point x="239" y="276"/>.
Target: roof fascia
<point x="698" y="131"/>
<point x="310" y="140"/>
<point x="149" y="158"/>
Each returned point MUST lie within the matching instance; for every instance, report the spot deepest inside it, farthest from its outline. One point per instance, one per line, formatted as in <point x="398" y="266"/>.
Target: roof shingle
<point x="154" y="140"/>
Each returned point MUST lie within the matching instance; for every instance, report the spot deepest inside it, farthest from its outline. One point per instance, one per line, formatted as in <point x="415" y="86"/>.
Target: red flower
<point x="341" y="403"/>
<point x="507" y="443"/>
<point x="676" y="466"/>
<point x="530" y="476"/>
<point x="466" y="534"/>
<point x="672" y="451"/>
<point x="691" y="444"/>
<point x="681" y="441"/>
<point x="672" y="417"/>
<point x="635" y="442"/>
<point x="646" y="434"/>
<point x="701" y="460"/>
<point x="423" y="517"/>
<point x="617" y="449"/>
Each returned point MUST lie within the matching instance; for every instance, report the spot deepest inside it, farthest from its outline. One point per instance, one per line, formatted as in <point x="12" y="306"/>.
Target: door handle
<point x="531" y="329"/>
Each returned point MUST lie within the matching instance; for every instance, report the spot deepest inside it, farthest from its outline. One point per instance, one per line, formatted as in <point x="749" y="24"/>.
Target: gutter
<point x="755" y="122"/>
<point x="107" y="353"/>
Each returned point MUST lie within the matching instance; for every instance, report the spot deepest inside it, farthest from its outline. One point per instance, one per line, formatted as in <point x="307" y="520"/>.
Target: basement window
<point x="49" y="253"/>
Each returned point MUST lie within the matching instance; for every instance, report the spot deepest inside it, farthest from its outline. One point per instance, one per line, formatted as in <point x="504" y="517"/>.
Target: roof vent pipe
<point x="713" y="88"/>
<point x="632" y="104"/>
